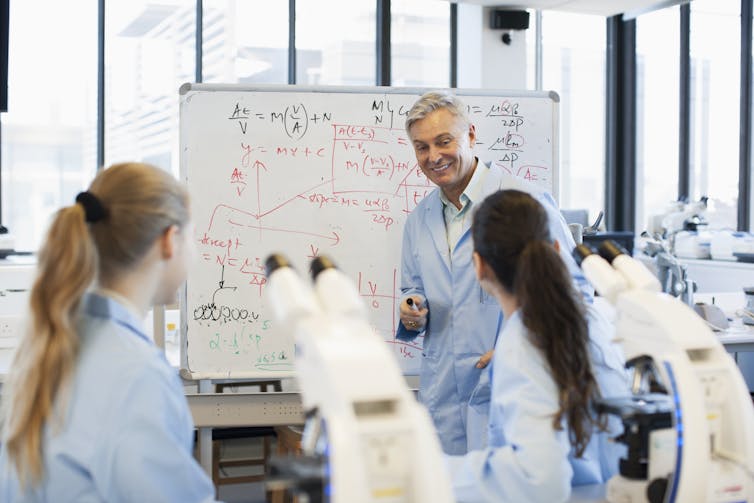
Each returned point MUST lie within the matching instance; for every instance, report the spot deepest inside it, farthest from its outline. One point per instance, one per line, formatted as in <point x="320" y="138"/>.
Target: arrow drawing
<point x="221" y="283"/>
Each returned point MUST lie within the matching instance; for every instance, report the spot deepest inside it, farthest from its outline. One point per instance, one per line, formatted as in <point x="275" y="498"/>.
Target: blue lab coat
<point x="527" y="459"/>
<point x="463" y="320"/>
<point x="127" y="434"/>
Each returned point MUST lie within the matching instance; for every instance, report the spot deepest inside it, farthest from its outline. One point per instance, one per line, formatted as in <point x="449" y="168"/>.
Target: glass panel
<point x="240" y="45"/>
<point x="420" y="43"/>
<point x="715" y="94"/>
<point x="573" y="47"/>
<point x="335" y="53"/>
<point x="149" y="52"/>
<point x="657" y="97"/>
<point x="49" y="145"/>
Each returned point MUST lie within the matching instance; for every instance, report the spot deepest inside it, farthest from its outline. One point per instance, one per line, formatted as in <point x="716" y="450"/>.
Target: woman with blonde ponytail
<point x="550" y="362"/>
<point x="91" y="410"/>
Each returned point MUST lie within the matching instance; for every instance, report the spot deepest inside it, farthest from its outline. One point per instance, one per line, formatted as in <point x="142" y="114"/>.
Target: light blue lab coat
<point x="127" y="434"/>
<point x="527" y="459"/>
<point x="463" y="320"/>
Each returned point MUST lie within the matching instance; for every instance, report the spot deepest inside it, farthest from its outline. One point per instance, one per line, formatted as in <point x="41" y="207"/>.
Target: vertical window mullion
<point x="101" y="85"/>
<point x="382" y="75"/>
<point x="620" y="144"/>
<point x="198" y="73"/>
<point x="291" y="42"/>
<point x="744" y="170"/>
<point x="453" y="45"/>
<point x="684" y="105"/>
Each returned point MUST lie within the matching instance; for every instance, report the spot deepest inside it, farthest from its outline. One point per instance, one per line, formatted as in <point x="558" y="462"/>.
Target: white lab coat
<point x="527" y="459"/>
<point x="463" y="320"/>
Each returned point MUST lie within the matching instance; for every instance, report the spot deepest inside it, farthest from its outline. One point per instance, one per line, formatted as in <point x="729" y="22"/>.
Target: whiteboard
<point x="307" y="171"/>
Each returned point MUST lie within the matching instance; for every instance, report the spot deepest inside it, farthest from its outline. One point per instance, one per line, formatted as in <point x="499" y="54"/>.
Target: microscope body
<point x="707" y="452"/>
<point x="712" y="415"/>
<point x="374" y="441"/>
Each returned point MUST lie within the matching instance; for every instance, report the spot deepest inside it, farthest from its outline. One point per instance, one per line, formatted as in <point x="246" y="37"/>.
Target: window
<point x="657" y="112"/>
<point x="49" y="145"/>
<point x="420" y="50"/>
<point x="573" y="47"/>
<point x="150" y="51"/>
<point x="330" y="53"/>
<point x="715" y="95"/>
<point x="240" y="45"/>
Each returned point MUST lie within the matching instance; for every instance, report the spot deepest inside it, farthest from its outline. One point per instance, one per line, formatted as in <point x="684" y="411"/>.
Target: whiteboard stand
<point x="204" y="434"/>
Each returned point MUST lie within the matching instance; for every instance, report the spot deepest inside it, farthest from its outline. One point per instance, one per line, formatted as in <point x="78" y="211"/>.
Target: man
<point x="459" y="320"/>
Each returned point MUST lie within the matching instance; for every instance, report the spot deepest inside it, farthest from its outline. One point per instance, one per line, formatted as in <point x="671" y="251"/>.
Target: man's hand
<point x="413" y="313"/>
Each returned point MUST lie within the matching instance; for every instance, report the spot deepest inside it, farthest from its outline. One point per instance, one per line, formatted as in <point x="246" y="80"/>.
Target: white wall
<point x="484" y="61"/>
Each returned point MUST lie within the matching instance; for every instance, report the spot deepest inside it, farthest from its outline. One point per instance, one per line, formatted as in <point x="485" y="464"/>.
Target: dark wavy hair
<point x="511" y="233"/>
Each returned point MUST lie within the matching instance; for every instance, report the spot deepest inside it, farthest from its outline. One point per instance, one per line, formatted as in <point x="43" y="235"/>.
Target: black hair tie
<point x="92" y="207"/>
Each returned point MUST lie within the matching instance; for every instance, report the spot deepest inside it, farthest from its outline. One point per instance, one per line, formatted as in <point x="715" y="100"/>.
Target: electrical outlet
<point x="10" y="331"/>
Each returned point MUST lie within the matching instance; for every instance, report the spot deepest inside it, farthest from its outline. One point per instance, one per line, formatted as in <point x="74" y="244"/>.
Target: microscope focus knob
<point x="656" y="490"/>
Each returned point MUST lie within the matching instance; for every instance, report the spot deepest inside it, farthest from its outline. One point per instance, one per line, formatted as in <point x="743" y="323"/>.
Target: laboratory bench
<point x="211" y="410"/>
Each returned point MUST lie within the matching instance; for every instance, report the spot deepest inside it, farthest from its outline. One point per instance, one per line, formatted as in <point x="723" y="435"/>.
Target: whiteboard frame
<point x="189" y="87"/>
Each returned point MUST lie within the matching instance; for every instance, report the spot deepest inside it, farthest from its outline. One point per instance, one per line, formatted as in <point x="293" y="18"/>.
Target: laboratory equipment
<point x="732" y="245"/>
<point x="366" y="437"/>
<point x="682" y="226"/>
<point x="679" y="216"/>
<point x="673" y="274"/>
<point x="689" y="420"/>
<point x="748" y="311"/>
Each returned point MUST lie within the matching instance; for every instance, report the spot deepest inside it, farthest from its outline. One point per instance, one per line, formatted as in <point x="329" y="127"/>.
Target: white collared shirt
<point x="458" y="220"/>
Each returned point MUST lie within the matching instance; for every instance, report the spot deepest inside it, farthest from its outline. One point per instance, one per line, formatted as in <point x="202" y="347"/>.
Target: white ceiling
<point x="631" y="8"/>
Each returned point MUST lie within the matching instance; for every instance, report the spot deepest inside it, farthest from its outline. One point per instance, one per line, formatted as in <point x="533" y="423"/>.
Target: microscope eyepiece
<point x="320" y="264"/>
<point x="581" y="252"/>
<point x="610" y="249"/>
<point x="275" y="262"/>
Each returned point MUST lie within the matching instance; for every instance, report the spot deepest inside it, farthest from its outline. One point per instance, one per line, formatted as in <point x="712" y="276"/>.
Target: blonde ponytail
<point x="46" y="356"/>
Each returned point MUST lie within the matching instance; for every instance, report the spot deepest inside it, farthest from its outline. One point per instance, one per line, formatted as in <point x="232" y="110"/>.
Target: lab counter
<point x="226" y="410"/>
<point x="239" y="409"/>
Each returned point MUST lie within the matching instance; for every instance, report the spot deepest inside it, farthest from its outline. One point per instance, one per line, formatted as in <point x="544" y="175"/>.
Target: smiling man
<point x="458" y="318"/>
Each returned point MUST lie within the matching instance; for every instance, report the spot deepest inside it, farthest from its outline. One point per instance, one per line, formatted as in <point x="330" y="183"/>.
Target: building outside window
<point x="715" y="95"/>
<point x="150" y="51"/>
<point x="241" y="46"/>
<point x="657" y="112"/>
<point x="420" y="43"/>
<point x="329" y="53"/>
<point x="573" y="47"/>
<point x="48" y="133"/>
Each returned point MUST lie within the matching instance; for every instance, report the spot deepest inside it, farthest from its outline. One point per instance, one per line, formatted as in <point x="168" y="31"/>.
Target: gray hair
<point x="435" y="100"/>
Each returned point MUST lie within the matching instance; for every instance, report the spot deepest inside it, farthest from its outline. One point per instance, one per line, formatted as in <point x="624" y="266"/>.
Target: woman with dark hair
<point x="546" y="371"/>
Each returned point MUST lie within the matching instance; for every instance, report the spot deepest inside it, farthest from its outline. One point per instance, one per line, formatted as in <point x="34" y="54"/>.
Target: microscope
<point x="366" y="438"/>
<point x="689" y="420"/>
<point x="671" y="272"/>
<point x="681" y="223"/>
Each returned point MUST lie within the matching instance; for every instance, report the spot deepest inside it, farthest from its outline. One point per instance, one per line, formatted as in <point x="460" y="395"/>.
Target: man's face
<point x="443" y="145"/>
